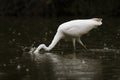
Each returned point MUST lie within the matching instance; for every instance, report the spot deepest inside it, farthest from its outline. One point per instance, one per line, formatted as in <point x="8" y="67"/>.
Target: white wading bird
<point x="73" y="29"/>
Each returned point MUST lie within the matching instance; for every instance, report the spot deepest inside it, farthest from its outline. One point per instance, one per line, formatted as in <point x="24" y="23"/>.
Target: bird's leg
<point x="74" y="54"/>
<point x="81" y="43"/>
<point x="74" y="44"/>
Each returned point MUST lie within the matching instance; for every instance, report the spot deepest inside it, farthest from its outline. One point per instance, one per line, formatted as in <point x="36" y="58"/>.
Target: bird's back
<point x="77" y="27"/>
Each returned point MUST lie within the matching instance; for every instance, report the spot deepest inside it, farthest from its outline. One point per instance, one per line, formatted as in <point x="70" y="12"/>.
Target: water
<point x="89" y="65"/>
<point x="86" y="66"/>
<point x="56" y="67"/>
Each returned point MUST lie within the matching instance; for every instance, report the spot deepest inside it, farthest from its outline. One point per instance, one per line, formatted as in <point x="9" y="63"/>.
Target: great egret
<point x="73" y="30"/>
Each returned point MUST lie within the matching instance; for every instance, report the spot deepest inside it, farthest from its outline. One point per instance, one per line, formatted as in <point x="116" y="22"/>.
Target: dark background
<point x="59" y="8"/>
<point x="30" y="22"/>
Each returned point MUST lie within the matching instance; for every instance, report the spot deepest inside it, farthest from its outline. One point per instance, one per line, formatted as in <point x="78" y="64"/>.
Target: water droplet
<point x="27" y="70"/>
<point x="4" y="65"/>
<point x="13" y="32"/>
<point x="13" y="40"/>
<point x="18" y="67"/>
<point x="19" y="34"/>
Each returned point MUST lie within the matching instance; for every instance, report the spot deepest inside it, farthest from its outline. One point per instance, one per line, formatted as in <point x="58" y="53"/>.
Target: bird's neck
<point x="42" y="46"/>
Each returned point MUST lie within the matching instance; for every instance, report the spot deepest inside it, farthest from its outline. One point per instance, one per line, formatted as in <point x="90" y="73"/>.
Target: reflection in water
<point x="50" y="66"/>
<point x="43" y="66"/>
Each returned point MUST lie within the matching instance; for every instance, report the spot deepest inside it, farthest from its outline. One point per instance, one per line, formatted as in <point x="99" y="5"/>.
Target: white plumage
<point x="73" y="30"/>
